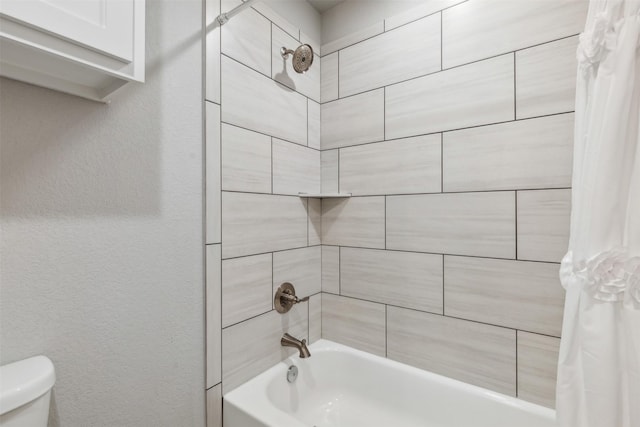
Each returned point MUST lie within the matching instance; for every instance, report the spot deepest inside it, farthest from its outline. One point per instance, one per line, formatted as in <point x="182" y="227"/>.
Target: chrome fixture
<point x="302" y="57"/>
<point x="292" y="373"/>
<point x="223" y="18"/>
<point x="289" y="341"/>
<point x="286" y="297"/>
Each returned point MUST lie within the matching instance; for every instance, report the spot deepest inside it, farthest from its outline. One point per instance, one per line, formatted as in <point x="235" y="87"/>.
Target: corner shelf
<point x="325" y="195"/>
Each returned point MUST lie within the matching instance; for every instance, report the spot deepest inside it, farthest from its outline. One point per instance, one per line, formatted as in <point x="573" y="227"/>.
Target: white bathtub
<point x="343" y="387"/>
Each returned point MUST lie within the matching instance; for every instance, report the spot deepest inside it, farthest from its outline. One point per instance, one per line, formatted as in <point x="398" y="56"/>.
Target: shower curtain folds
<point x="599" y="363"/>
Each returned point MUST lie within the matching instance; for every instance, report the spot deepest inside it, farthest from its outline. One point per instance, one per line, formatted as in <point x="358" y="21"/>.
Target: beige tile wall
<point x="459" y="163"/>
<point x="262" y="149"/>
<point x="447" y="256"/>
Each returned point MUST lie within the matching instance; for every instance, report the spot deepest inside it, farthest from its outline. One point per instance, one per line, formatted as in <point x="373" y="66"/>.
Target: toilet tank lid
<point x="24" y="381"/>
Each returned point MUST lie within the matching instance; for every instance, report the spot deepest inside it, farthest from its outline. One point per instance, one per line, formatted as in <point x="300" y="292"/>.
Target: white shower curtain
<point x="599" y="364"/>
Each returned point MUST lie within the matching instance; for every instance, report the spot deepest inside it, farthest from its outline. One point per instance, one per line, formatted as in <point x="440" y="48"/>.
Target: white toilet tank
<point x="25" y="392"/>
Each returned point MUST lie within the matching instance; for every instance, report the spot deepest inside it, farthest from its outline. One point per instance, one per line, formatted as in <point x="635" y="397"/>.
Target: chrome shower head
<point x="302" y="57"/>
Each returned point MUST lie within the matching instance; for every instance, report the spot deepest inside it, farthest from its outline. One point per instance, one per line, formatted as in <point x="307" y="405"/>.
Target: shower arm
<point x="286" y="52"/>
<point x="223" y="18"/>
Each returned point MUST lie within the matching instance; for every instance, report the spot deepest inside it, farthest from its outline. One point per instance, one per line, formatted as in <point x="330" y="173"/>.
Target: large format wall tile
<point x="256" y="102"/>
<point x="246" y="288"/>
<point x="405" y="279"/>
<point x="247" y="38"/>
<point x="476" y="94"/>
<point x="253" y="346"/>
<point x="356" y="323"/>
<point x="213" y="315"/>
<point x="353" y="38"/>
<point x="527" y="154"/>
<point x="331" y="269"/>
<point x="546" y="78"/>
<point x="300" y="267"/>
<point x="313" y="110"/>
<point x="543" y="224"/>
<point x="391" y="57"/>
<point x="358" y="221"/>
<point x="314" y="212"/>
<point x="246" y="160"/>
<point x="424" y="9"/>
<point x="537" y="368"/>
<point x="265" y="10"/>
<point x="296" y="169"/>
<point x="479" y="354"/>
<point x="282" y="70"/>
<point x="409" y="165"/>
<point x="256" y="223"/>
<point x="354" y="120"/>
<point x="329" y="171"/>
<point x="514" y="294"/>
<point x="479" y="29"/>
<point x="481" y="224"/>
<point x="212" y="172"/>
<point x="329" y="78"/>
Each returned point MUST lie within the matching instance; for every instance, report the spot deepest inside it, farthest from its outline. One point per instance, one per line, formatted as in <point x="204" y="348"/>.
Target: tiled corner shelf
<point x="325" y="195"/>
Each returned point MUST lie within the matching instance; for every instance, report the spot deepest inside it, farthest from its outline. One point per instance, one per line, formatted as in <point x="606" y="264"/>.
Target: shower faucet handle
<point x="286" y="298"/>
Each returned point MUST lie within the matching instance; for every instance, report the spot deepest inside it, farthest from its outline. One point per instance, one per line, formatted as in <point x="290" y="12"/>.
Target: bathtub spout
<point x="289" y="341"/>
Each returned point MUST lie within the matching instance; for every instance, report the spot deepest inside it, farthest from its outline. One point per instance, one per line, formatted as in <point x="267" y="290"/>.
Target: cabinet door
<point x="103" y="25"/>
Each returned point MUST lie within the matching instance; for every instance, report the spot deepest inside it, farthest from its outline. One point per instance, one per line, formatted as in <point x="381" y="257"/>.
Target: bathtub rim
<point x="240" y="396"/>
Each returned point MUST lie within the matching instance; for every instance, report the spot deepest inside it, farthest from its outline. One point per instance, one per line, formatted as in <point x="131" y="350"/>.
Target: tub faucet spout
<point x="289" y="341"/>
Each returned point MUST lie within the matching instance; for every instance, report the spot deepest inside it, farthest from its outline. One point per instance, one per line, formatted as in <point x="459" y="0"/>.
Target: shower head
<point x="302" y="57"/>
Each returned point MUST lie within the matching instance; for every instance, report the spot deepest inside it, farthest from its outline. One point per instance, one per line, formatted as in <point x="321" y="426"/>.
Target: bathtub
<point x="343" y="387"/>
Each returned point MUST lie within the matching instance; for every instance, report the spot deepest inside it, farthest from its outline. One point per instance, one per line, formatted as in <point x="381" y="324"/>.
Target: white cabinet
<point x="88" y="48"/>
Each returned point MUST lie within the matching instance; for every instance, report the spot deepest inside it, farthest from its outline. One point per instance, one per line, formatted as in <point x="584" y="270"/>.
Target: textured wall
<point x="101" y="248"/>
<point x="262" y="149"/>
<point x="459" y="161"/>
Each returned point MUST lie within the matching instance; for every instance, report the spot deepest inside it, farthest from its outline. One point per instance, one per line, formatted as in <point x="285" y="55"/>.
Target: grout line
<point x="261" y="314"/>
<point x="515" y="89"/>
<point x="340" y="270"/>
<point x="271" y="165"/>
<point x="435" y="193"/>
<point x="386" y="331"/>
<point x="266" y="134"/>
<point x="214" y="386"/>
<point x="273" y="303"/>
<point x="517" y="337"/>
<point x="338" y="78"/>
<point x="384" y="30"/>
<point x="294" y="89"/>
<point x="385" y="222"/>
<point x="461" y="65"/>
<point x="353" y="95"/>
<point x="441" y="42"/>
<point x="442" y="162"/>
<point x="443" y="289"/>
<point x="426" y="16"/>
<point x="219" y="53"/>
<point x="516" y="222"/>
<point x="440" y="315"/>
<point x="269" y="252"/>
<point x="307" y="122"/>
<point x="338" y="155"/>
<point x="438" y="253"/>
<point x="384" y="113"/>
<point x="453" y="130"/>
<point x="309" y="320"/>
<point x="308" y="220"/>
